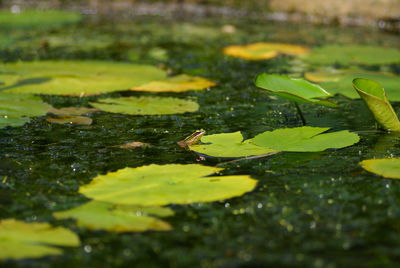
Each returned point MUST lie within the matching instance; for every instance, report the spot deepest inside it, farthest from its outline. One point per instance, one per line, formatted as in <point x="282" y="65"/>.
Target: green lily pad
<point x="293" y="89"/>
<point x="305" y="139"/>
<point x="43" y="19"/>
<point x="20" y="240"/>
<point x="15" y="110"/>
<point x="375" y="98"/>
<point x="339" y="82"/>
<point x="388" y="168"/>
<point x="76" y="78"/>
<point x="228" y="145"/>
<point x="145" y="105"/>
<point x="357" y="54"/>
<point x="126" y="218"/>
<point x="158" y="185"/>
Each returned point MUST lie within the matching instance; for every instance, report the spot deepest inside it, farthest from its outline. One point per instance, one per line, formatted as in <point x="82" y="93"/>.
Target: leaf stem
<point x="248" y="158"/>
<point x="299" y="112"/>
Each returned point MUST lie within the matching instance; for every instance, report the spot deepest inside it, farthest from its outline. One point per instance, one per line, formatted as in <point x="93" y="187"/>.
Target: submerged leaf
<point x="264" y="51"/>
<point x="355" y="54"/>
<point x="131" y="145"/>
<point x="104" y="216"/>
<point x="77" y="78"/>
<point x="341" y="82"/>
<point x="72" y="111"/>
<point x="178" y="83"/>
<point x="375" y="98"/>
<point x="305" y="139"/>
<point x="16" y="109"/>
<point x="389" y="168"/>
<point x="19" y="240"/>
<point x="228" y="145"/>
<point x="157" y="185"/>
<point x="71" y="119"/>
<point x="145" y="105"/>
<point x="293" y="89"/>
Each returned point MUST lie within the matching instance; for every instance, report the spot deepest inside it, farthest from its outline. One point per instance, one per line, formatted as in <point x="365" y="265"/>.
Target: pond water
<point x="315" y="209"/>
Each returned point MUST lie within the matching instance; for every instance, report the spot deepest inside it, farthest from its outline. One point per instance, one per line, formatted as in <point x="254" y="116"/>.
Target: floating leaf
<point x="228" y="145"/>
<point x="293" y="89"/>
<point x="71" y="119"/>
<point x="19" y="240"/>
<point x="375" y="98"/>
<point x="305" y="139"/>
<point x="341" y="81"/>
<point x="42" y="19"/>
<point x="389" y="168"/>
<point x="356" y="54"/>
<point x="145" y="105"/>
<point x="104" y="216"/>
<point x="158" y="185"/>
<point x="264" y="51"/>
<point x="77" y="78"/>
<point x="72" y="111"/>
<point x="177" y="83"/>
<point x="131" y="145"/>
<point x="15" y="110"/>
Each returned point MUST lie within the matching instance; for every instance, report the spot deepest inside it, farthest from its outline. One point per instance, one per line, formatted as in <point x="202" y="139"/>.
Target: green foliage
<point x="19" y="240"/>
<point x="389" y="168"/>
<point x="340" y="82"/>
<point x="293" y="89"/>
<point x="42" y="19"/>
<point x="124" y="218"/>
<point x="375" y="98"/>
<point x="355" y="54"/>
<point x="158" y="185"/>
<point x="145" y="105"/>
<point x="77" y="78"/>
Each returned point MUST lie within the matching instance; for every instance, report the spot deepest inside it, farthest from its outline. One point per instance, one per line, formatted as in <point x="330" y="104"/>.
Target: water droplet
<point x="87" y="248"/>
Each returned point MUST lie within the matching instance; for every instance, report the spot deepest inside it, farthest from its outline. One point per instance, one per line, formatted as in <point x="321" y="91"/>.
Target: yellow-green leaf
<point x="158" y="185"/>
<point x="177" y="83"/>
<point x="375" y="98"/>
<point x="19" y="240"/>
<point x="117" y="218"/>
<point x="264" y="51"/>
<point x="389" y="168"/>
<point x="145" y="105"/>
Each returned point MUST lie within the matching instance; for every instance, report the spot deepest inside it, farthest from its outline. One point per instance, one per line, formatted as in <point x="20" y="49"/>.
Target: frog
<point x="192" y="139"/>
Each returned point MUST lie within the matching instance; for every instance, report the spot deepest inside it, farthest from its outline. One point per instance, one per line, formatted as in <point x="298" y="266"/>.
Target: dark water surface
<point x="309" y="209"/>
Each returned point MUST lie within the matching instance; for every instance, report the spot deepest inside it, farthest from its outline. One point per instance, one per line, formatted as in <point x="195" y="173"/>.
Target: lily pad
<point x="293" y="89"/>
<point x="375" y="98"/>
<point x="339" y="82"/>
<point x="389" y="168"/>
<point x="158" y="185"/>
<point x="43" y="19"/>
<point x="20" y="240"/>
<point x="145" y="105"/>
<point x="305" y="139"/>
<point x="15" y="110"/>
<point x="104" y="216"/>
<point x="356" y="54"/>
<point x="264" y="51"/>
<point x="177" y="83"/>
<point x="76" y="78"/>
<point x="228" y="145"/>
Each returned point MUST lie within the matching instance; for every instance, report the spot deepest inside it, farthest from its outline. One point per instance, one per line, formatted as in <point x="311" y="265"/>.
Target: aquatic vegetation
<point x="145" y="105"/>
<point x="177" y="83"/>
<point x="300" y="139"/>
<point x="20" y="240"/>
<point x="293" y="89"/>
<point x="387" y="167"/>
<point x="374" y="96"/>
<point x="117" y="218"/>
<point x="37" y="19"/>
<point x="74" y="78"/>
<point x="340" y="81"/>
<point x="353" y="54"/>
<point x="264" y="51"/>
<point x="70" y="119"/>
<point x="16" y="110"/>
<point x="159" y="185"/>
